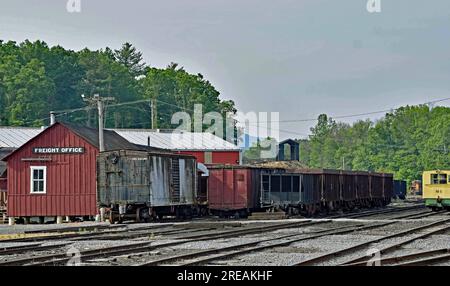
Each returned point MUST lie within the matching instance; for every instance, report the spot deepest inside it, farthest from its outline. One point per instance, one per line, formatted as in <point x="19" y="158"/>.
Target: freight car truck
<point x="143" y="185"/>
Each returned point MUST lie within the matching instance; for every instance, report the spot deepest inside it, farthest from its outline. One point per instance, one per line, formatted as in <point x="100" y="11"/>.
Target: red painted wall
<point x="218" y="157"/>
<point x="71" y="179"/>
<point x="225" y="158"/>
<point x="230" y="189"/>
<point x="200" y="156"/>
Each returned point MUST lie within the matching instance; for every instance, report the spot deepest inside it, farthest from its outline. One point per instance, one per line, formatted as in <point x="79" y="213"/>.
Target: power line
<point x="360" y="114"/>
<point x="69" y="111"/>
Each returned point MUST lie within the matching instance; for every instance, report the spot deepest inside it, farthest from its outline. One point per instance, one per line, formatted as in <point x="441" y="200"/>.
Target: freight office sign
<point x="58" y="150"/>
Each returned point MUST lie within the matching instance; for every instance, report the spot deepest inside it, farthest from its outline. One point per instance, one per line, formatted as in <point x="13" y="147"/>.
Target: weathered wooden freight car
<point x="144" y="185"/>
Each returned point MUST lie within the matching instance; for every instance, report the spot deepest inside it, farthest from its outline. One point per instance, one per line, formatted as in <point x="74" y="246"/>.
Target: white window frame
<point x="38" y="168"/>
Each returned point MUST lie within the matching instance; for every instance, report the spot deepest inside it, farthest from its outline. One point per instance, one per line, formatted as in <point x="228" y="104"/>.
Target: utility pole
<point x="99" y="101"/>
<point x="154" y="114"/>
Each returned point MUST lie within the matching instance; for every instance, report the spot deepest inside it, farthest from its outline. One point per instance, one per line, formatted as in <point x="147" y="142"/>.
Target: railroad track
<point x="61" y="258"/>
<point x="379" y="212"/>
<point x="244" y="247"/>
<point x="112" y="232"/>
<point x="364" y="245"/>
<point x="204" y="256"/>
<point x="54" y="235"/>
<point x="421" y="258"/>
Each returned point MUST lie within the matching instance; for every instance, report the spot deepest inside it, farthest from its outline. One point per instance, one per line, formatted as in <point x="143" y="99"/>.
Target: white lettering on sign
<point x="58" y="150"/>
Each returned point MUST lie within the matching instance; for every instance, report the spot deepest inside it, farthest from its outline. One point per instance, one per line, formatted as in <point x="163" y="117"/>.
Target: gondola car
<point x="240" y="190"/>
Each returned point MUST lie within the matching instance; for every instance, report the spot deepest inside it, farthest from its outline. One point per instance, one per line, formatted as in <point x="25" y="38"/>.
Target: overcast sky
<point x="297" y="57"/>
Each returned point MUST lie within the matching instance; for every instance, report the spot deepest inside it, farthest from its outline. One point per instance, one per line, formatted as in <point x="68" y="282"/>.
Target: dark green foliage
<point x="176" y="90"/>
<point x="406" y="142"/>
<point x="36" y="79"/>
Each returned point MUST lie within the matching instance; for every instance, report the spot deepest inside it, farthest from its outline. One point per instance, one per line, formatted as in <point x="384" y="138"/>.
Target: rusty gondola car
<point x="144" y="185"/>
<point x="305" y="191"/>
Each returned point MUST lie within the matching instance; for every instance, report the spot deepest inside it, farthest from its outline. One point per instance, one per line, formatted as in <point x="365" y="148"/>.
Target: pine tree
<point x="131" y="59"/>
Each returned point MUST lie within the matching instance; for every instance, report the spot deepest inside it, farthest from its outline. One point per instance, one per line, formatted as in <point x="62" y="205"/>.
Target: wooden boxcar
<point x="144" y="185"/>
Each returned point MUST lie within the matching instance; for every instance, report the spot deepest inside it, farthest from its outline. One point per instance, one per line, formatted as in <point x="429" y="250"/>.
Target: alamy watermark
<point x="375" y="257"/>
<point x="73" y="6"/>
<point x="373" y="6"/>
<point x="75" y="256"/>
<point x="233" y="127"/>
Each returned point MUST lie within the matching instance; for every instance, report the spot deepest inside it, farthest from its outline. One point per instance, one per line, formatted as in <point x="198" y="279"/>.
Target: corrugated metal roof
<point x="191" y="141"/>
<point x="113" y="141"/>
<point x="14" y="137"/>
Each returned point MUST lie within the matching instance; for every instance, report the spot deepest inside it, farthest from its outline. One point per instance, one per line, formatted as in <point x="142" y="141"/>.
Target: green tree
<point x="131" y="59"/>
<point x="28" y="92"/>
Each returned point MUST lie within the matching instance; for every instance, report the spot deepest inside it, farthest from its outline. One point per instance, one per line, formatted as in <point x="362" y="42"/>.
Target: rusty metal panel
<point x="388" y="186"/>
<point x="376" y="185"/>
<point x="348" y="186"/>
<point x="330" y="187"/>
<point x="139" y="177"/>
<point x="311" y="188"/>
<point x="362" y="186"/>
<point x="233" y="188"/>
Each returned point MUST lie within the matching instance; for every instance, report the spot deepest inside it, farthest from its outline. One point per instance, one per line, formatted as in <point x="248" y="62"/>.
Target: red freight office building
<point x="54" y="174"/>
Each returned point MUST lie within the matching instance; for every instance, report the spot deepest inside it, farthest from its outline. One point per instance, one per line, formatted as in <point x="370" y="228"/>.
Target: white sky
<point x="299" y="58"/>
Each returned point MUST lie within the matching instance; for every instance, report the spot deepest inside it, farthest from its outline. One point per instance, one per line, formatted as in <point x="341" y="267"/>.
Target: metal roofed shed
<point x="206" y="147"/>
<point x="193" y="141"/>
<point x="14" y="137"/>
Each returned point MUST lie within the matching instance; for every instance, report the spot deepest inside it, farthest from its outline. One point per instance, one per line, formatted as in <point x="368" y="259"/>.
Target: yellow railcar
<point x="436" y="189"/>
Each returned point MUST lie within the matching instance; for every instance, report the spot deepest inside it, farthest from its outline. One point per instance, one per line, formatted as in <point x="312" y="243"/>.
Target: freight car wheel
<point x="111" y="217"/>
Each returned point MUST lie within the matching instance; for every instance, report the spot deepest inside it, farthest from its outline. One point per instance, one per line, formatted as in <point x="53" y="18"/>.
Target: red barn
<point x="54" y="173"/>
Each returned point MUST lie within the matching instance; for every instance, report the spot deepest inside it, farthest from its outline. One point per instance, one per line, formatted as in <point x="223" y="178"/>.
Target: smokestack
<point x="52" y="118"/>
